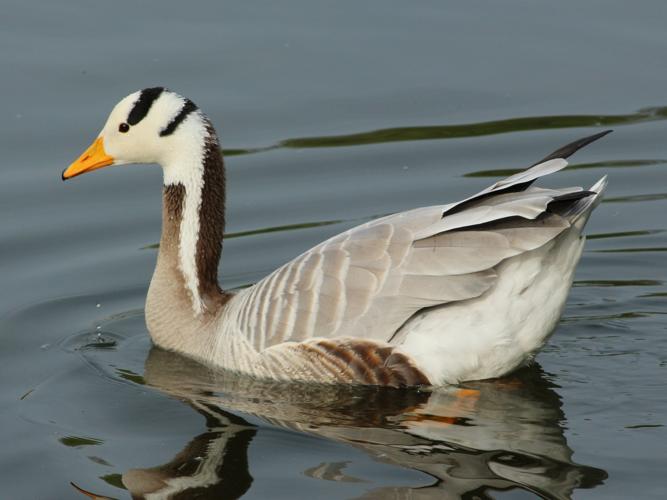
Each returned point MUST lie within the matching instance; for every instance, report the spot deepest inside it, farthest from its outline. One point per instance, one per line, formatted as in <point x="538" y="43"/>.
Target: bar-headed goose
<point x="434" y="295"/>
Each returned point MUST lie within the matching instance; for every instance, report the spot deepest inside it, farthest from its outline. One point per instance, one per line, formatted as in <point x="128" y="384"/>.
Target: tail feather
<point x="522" y="180"/>
<point x="579" y="212"/>
<point x="571" y="148"/>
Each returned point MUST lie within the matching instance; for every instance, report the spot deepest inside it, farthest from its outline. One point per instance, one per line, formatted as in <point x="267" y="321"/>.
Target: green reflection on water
<point x="636" y="197"/>
<point x="114" y="480"/>
<point x="287" y="227"/>
<point x="605" y="283"/>
<point x="607" y="317"/>
<point x="575" y="166"/>
<point x="264" y="230"/>
<point x="457" y="131"/>
<point x="76" y="441"/>
<point x="624" y="234"/>
<point x="632" y="250"/>
<point x="131" y="376"/>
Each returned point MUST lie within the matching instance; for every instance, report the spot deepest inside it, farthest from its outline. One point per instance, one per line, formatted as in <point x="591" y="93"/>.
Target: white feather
<point x="185" y="166"/>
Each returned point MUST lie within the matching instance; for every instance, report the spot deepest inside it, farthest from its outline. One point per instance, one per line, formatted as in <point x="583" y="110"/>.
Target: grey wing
<point x="366" y="282"/>
<point x="345" y="286"/>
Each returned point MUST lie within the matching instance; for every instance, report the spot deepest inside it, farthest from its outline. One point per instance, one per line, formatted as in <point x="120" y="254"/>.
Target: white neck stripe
<point x="187" y="168"/>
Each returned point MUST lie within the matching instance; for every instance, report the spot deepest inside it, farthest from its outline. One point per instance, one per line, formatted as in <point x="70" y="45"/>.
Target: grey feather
<point x="366" y="282"/>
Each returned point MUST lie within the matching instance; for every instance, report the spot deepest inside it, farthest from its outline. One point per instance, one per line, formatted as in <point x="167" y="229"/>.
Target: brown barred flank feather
<point x="365" y="362"/>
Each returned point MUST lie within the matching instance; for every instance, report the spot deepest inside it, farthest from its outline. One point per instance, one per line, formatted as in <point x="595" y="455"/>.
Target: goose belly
<point x="490" y="336"/>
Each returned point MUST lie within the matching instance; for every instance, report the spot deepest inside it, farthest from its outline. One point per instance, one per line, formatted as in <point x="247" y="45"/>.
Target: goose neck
<point x="194" y="220"/>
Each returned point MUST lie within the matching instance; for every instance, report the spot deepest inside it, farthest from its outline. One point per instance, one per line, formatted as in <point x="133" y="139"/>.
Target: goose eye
<point x="123" y="127"/>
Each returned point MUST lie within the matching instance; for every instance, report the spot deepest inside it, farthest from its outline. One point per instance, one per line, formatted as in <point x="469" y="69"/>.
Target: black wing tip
<point x="577" y="195"/>
<point x="571" y="148"/>
<point x="595" y="137"/>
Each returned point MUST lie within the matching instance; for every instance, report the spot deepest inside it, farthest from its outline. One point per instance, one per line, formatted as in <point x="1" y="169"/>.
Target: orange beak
<point x="92" y="158"/>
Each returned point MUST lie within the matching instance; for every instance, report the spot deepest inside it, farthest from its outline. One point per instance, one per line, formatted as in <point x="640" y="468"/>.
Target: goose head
<point x="153" y="125"/>
<point x="156" y="125"/>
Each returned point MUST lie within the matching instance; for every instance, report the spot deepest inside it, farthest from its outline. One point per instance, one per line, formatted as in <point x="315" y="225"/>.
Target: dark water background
<point x="332" y="113"/>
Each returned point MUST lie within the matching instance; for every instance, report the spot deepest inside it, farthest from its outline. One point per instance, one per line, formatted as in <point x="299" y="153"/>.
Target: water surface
<point x="331" y="114"/>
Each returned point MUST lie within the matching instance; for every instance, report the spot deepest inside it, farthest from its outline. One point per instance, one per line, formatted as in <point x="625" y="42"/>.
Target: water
<point x="331" y="113"/>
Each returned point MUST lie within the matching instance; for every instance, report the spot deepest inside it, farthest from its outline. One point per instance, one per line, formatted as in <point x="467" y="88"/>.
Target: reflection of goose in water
<point x="488" y="436"/>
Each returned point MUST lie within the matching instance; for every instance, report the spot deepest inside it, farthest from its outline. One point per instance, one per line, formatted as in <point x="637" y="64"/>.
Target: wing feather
<point x="369" y="280"/>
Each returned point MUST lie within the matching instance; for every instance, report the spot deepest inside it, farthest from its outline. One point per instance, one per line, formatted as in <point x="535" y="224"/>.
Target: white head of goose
<point x="435" y="295"/>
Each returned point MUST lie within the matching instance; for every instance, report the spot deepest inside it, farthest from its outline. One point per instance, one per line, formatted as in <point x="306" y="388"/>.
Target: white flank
<point x="497" y="332"/>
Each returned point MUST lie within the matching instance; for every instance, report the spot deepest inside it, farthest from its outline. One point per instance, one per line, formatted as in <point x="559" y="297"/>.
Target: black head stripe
<point x="140" y="109"/>
<point x="187" y="108"/>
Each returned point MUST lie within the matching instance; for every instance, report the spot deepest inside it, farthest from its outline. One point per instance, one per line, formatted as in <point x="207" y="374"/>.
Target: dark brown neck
<point x="211" y="221"/>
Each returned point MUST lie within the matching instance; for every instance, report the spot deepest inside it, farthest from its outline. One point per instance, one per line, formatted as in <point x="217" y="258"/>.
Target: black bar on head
<point x="140" y="109"/>
<point x="187" y="108"/>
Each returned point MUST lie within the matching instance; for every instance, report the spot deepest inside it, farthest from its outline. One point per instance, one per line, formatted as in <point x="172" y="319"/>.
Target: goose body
<point x="431" y="296"/>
